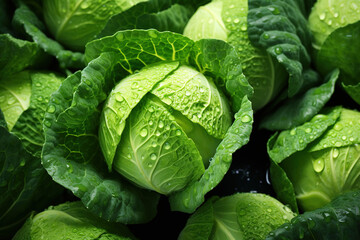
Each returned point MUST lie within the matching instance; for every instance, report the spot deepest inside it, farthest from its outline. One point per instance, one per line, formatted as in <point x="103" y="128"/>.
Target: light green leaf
<point x="237" y="136"/>
<point x="287" y="142"/>
<point x="122" y="99"/>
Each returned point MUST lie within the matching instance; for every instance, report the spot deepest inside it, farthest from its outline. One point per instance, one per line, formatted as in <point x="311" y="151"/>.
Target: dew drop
<point x="178" y="132"/>
<point x="151" y="109"/>
<point x="151" y="123"/>
<point x="278" y="50"/>
<point x="69" y="168"/>
<point x="187" y="93"/>
<point x="118" y="97"/>
<point x="308" y="130"/>
<point x="153" y="156"/>
<point x="236" y="20"/>
<point x="318" y="165"/>
<point x="335" y="153"/>
<point x="135" y="85"/>
<point x="228" y="19"/>
<point x="293" y="132"/>
<point x="84" y="5"/>
<point x="167" y="146"/>
<point x="143" y="132"/>
<point x="161" y="124"/>
<point x="154" y="144"/>
<point x="244" y="28"/>
<point x="266" y="36"/>
<point x="51" y="109"/>
<point x="322" y="16"/>
<point x="245" y="118"/>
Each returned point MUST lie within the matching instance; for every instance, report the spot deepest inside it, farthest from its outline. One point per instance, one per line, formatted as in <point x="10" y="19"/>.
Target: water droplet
<point x="335" y="153"/>
<point x="266" y="36"/>
<point x="246" y="118"/>
<point x="153" y="156"/>
<point x="69" y="168"/>
<point x="336" y="15"/>
<point x="278" y="50"/>
<point x="154" y="144"/>
<point x="308" y="130"/>
<point x="151" y="109"/>
<point x="244" y="28"/>
<point x="293" y="131"/>
<point x="151" y="122"/>
<point x="135" y="85"/>
<point x="40" y="99"/>
<point x="118" y="97"/>
<point x="38" y="84"/>
<point x="338" y="126"/>
<point x="269" y="210"/>
<point x="51" y="109"/>
<point x="47" y="123"/>
<point x="318" y="165"/>
<point x="351" y="139"/>
<point x="329" y="22"/>
<point x="236" y="20"/>
<point x="149" y="165"/>
<point x="322" y="16"/>
<point x="152" y="33"/>
<point x="228" y="19"/>
<point x="161" y="124"/>
<point x="143" y="132"/>
<point x="187" y="93"/>
<point x="84" y="5"/>
<point x="178" y="132"/>
<point x="119" y="36"/>
<point x="167" y="146"/>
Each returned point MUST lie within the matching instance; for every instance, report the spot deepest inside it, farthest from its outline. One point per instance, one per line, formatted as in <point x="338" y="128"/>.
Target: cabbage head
<point x="152" y="114"/>
<point x="161" y="126"/>
<point x="335" y="26"/>
<point x="72" y="220"/>
<point x="319" y="160"/>
<point x="238" y="216"/>
<point x="227" y="20"/>
<point x="74" y="23"/>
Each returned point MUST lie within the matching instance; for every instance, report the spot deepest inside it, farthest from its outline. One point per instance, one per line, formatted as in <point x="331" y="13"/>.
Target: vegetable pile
<point x="222" y="119"/>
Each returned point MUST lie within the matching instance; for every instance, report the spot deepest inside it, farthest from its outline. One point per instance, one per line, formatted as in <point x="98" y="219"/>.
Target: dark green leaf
<point x="25" y="19"/>
<point x="71" y="150"/>
<point x="281" y="28"/>
<point x="340" y="219"/>
<point x="24" y="184"/>
<point x="16" y="54"/>
<point x="301" y="108"/>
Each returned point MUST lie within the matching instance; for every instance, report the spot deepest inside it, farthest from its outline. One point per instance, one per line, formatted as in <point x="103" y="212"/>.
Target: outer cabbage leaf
<point x="74" y="220"/>
<point x="74" y="23"/>
<point x="163" y="15"/>
<point x="340" y="51"/>
<point x="301" y="108"/>
<point x="26" y="21"/>
<point x="281" y="28"/>
<point x="337" y="220"/>
<point x="23" y="182"/>
<point x="16" y="54"/>
<point x="238" y="135"/>
<point x="237" y="216"/>
<point x="71" y="149"/>
<point x="28" y="127"/>
<point x="139" y="48"/>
